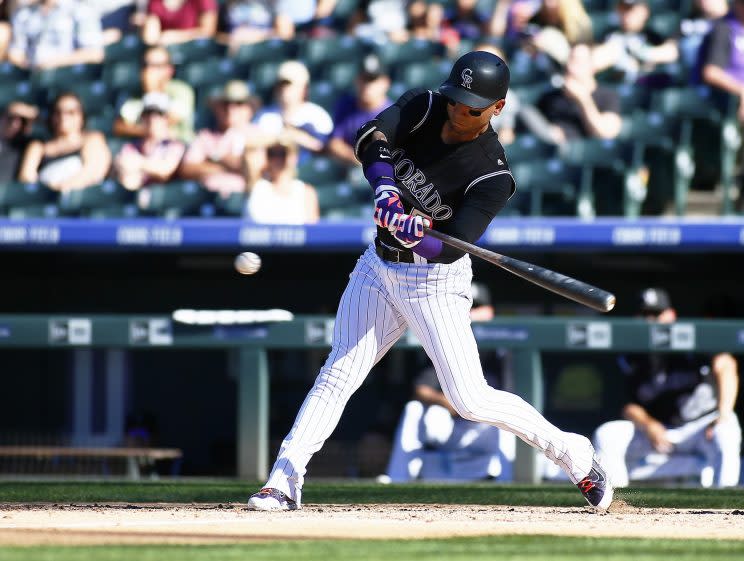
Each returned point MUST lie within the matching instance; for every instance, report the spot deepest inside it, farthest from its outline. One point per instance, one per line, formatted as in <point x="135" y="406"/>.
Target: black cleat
<point x="596" y="487"/>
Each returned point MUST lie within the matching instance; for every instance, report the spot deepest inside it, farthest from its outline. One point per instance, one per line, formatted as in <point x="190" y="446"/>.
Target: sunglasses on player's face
<point x="471" y="112"/>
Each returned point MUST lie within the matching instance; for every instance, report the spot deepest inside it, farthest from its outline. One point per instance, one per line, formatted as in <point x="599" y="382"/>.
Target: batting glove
<point x="410" y="230"/>
<point x="388" y="207"/>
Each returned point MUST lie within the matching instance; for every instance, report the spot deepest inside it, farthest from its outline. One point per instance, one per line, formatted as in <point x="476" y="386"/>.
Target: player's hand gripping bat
<point x="570" y="288"/>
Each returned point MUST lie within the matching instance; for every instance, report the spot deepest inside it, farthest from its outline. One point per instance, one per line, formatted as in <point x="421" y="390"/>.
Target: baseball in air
<point x="247" y="263"/>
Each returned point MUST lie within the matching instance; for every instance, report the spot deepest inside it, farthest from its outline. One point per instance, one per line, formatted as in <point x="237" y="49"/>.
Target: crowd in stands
<point x="233" y="107"/>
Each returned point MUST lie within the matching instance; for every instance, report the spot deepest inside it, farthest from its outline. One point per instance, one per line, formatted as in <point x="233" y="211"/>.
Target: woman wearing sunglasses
<point x="433" y="159"/>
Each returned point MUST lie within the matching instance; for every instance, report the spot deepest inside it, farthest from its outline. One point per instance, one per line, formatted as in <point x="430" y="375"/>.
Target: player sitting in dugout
<point x="679" y="420"/>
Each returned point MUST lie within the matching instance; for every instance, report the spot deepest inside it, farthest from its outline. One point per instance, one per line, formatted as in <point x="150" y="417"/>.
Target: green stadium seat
<point x="11" y="73"/>
<point x="316" y="53"/>
<point x="232" y="205"/>
<point x="632" y="97"/>
<point x="95" y="96"/>
<point x="263" y="78"/>
<point x="103" y="121"/>
<point x="414" y="50"/>
<point x="429" y="74"/>
<point x="66" y="76"/>
<point x="616" y="166"/>
<point x="531" y="93"/>
<point x="342" y="11"/>
<point x="665" y="143"/>
<point x="82" y="202"/>
<point x="49" y="210"/>
<point x="175" y="199"/>
<point x="666" y="24"/>
<point x="123" y="76"/>
<point x="550" y="187"/>
<point x="18" y="195"/>
<point x="12" y="91"/>
<point x="198" y="49"/>
<point x="210" y="72"/>
<point x="128" y="48"/>
<point x="271" y="50"/>
<point x="322" y="170"/>
<point x="341" y="74"/>
<point x="603" y="22"/>
<point x="527" y="147"/>
<point x="715" y="134"/>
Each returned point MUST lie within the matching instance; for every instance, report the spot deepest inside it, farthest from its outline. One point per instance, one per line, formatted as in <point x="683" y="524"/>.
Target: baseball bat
<point x="568" y="287"/>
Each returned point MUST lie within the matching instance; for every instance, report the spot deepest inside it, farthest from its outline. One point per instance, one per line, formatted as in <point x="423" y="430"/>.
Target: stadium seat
<point x="175" y="199"/>
<point x="232" y="205"/>
<point x="341" y="74"/>
<point x="210" y="72"/>
<point x="603" y="22"/>
<point x="128" y="48"/>
<point x="66" y="77"/>
<point x="429" y="74"/>
<point x="48" y="210"/>
<point x="322" y="170"/>
<point x="666" y="24"/>
<point x="20" y="91"/>
<point x="665" y="144"/>
<point x="271" y="50"/>
<point x="103" y="121"/>
<point x="616" y="166"/>
<point x="11" y="73"/>
<point x="324" y="94"/>
<point x="198" y="49"/>
<point x="18" y="195"/>
<point x="95" y="96"/>
<point x="342" y="199"/>
<point x="414" y="50"/>
<point x="527" y="147"/>
<point x="318" y="52"/>
<point x="82" y="202"/>
<point x="715" y="134"/>
<point x="549" y="187"/>
<point x="263" y="78"/>
<point x="532" y="92"/>
<point x="123" y="77"/>
<point x="632" y="97"/>
<point x="342" y="11"/>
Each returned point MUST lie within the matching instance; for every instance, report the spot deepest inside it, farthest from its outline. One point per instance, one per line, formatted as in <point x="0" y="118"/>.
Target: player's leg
<point x="366" y="327"/>
<point x="435" y="300"/>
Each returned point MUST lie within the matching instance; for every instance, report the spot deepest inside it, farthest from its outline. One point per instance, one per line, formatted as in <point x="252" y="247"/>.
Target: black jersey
<point x="460" y="187"/>
<point x="674" y="389"/>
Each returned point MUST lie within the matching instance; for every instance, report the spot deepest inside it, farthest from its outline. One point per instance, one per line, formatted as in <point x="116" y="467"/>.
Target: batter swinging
<point x="432" y="158"/>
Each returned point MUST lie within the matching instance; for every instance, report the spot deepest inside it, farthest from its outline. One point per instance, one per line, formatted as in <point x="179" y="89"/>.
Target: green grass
<point x="503" y="548"/>
<point x="358" y="493"/>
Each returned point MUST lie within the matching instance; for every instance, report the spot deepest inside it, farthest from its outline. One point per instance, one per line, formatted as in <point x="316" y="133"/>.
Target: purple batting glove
<point x="410" y="230"/>
<point x="387" y="206"/>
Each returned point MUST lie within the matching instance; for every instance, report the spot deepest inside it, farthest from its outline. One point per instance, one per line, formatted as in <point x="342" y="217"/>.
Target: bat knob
<point x="609" y="302"/>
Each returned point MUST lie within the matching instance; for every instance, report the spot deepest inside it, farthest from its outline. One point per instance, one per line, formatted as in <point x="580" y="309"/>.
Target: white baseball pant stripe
<point x="434" y="300"/>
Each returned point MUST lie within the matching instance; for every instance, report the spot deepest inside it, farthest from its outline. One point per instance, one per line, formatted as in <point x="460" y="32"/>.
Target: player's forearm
<point x="638" y="416"/>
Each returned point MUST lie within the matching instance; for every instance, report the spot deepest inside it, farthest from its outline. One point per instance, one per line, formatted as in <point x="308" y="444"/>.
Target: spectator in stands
<point x="250" y="21"/>
<point x="215" y="157"/>
<point x="433" y="442"/>
<point x="679" y="418"/>
<point x="464" y="20"/>
<point x="696" y="25"/>
<point x="579" y="107"/>
<point x="5" y="29"/>
<point x="54" y="33"/>
<point x="306" y="122"/>
<point x="177" y="21"/>
<point x="634" y="51"/>
<point x="308" y="17"/>
<point x="118" y="17"/>
<point x="74" y="158"/>
<point x="15" y="127"/>
<point x="556" y="27"/>
<point x="157" y="76"/>
<point x="424" y="20"/>
<point x="722" y="59"/>
<point x="155" y="157"/>
<point x="511" y="17"/>
<point x="379" y="21"/>
<point x="279" y="197"/>
<point x="352" y="111"/>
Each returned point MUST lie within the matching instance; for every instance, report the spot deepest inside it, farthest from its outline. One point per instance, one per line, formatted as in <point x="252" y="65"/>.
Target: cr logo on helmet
<point x="467" y="77"/>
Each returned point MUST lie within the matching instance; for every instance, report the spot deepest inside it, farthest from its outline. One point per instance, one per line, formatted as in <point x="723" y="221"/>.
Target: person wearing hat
<point x="353" y="110"/>
<point x="154" y="158"/>
<point x="432" y="160"/>
<point x="291" y="113"/>
<point x="679" y="420"/>
<point x="15" y="129"/>
<point x="432" y="442"/>
<point x="215" y="157"/>
<point x="634" y="50"/>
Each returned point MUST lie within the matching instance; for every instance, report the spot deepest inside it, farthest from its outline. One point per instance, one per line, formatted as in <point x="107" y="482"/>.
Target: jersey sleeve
<point x="481" y="203"/>
<point x="405" y="116"/>
<point x="718" y="52"/>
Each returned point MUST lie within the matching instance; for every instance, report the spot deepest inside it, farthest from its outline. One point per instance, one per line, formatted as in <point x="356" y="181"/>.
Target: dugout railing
<point x="247" y="338"/>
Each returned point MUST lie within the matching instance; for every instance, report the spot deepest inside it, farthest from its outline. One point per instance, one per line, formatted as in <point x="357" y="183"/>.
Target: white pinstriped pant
<point x="381" y="300"/>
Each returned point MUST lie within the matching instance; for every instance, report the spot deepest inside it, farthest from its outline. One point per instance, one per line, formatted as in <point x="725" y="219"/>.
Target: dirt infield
<point x="219" y="523"/>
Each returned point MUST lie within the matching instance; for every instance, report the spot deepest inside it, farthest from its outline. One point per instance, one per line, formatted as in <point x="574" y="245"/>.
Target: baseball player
<point x="680" y="417"/>
<point x="432" y="159"/>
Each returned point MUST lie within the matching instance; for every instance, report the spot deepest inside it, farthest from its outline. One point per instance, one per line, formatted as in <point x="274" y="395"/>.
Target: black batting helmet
<point x="477" y="79"/>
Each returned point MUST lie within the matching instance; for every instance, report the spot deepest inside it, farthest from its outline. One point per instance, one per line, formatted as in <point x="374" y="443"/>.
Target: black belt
<point x="392" y="254"/>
